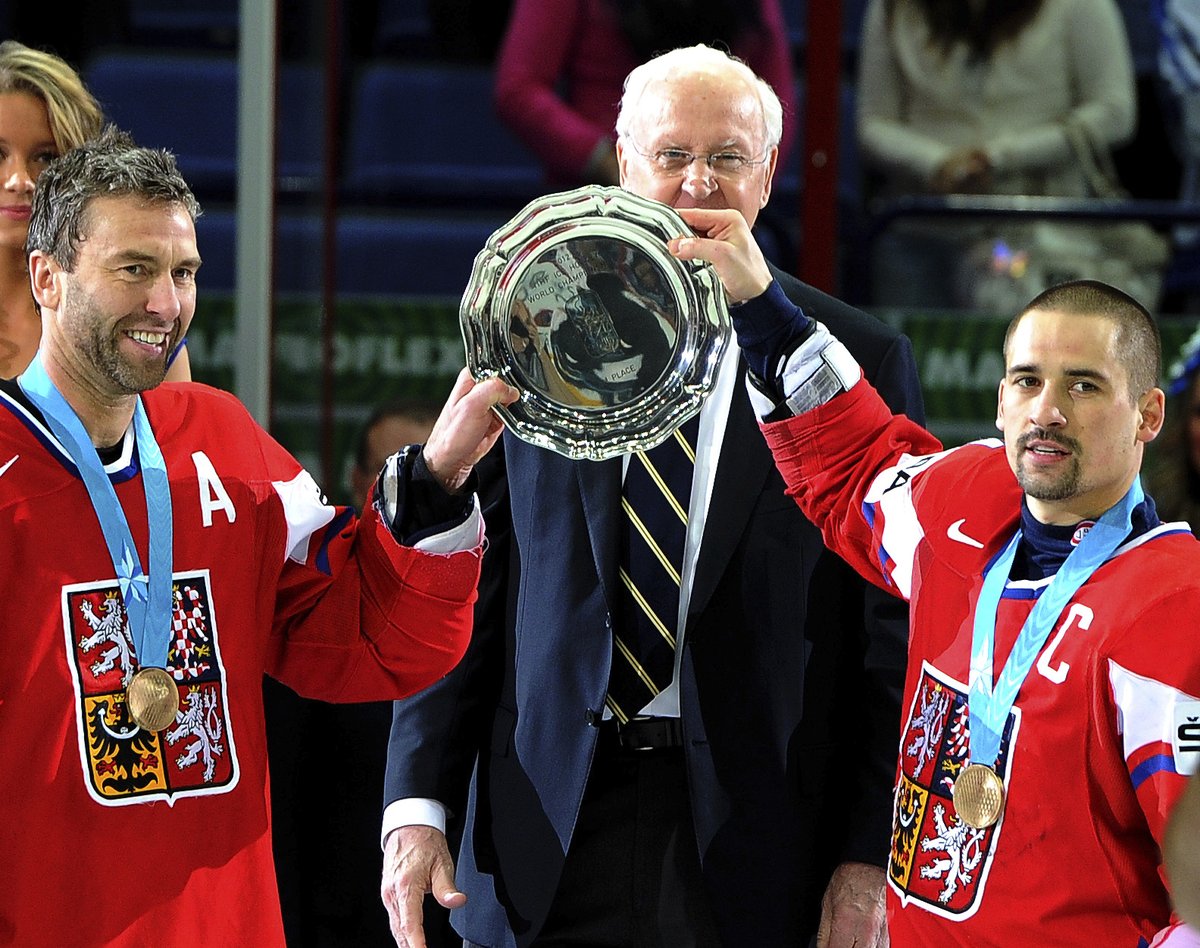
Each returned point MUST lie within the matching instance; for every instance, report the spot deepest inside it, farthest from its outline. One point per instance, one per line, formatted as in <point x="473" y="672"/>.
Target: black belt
<point x="642" y="733"/>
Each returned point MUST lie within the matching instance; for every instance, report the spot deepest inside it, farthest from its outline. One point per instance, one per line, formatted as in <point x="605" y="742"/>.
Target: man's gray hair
<point x="108" y="166"/>
<point x="690" y="60"/>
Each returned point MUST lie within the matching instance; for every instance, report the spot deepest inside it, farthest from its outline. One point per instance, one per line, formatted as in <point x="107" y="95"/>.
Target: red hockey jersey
<point x="1104" y="727"/>
<point x="115" y="836"/>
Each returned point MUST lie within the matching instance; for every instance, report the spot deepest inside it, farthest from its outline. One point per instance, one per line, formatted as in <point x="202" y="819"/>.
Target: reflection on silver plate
<point x="612" y="342"/>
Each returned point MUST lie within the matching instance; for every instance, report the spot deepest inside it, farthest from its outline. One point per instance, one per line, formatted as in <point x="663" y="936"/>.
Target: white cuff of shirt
<point x="466" y="536"/>
<point x="412" y="811"/>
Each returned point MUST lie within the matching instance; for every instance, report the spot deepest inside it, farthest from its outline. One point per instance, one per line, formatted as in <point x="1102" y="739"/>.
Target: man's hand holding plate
<point x="466" y="429"/>
<point x="724" y="240"/>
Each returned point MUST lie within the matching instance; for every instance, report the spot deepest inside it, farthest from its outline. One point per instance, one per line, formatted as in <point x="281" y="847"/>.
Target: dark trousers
<point x="632" y="875"/>
<point x="325" y="815"/>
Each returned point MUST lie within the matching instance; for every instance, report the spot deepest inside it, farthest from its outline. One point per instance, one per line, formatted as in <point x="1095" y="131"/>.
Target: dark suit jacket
<point x="789" y="699"/>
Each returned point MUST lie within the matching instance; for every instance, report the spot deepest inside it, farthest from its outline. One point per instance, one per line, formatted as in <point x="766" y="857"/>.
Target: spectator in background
<point x="1173" y="463"/>
<point x="403" y="421"/>
<point x="563" y="62"/>
<point x="45" y="111"/>
<point x="982" y="98"/>
<point x="326" y="827"/>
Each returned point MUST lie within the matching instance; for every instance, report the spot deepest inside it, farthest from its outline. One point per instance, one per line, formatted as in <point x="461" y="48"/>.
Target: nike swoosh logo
<point x="11" y="462"/>
<point x="954" y="532"/>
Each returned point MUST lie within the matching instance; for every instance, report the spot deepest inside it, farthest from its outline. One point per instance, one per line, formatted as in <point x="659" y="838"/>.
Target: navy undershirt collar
<point x="1045" y="546"/>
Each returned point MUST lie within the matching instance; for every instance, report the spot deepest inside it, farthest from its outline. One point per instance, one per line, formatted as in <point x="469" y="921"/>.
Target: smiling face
<point x="26" y="148"/>
<point x="1073" y="431"/>
<point x="703" y="113"/>
<point x="115" y="318"/>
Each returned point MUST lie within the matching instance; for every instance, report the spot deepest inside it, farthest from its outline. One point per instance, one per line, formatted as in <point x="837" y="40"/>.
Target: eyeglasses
<point x="726" y="164"/>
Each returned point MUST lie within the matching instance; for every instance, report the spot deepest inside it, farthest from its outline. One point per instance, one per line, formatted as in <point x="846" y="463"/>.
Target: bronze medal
<point x="152" y="698"/>
<point x="978" y="796"/>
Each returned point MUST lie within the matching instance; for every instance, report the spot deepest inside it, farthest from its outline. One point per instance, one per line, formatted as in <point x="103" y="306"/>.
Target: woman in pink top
<point x="562" y="64"/>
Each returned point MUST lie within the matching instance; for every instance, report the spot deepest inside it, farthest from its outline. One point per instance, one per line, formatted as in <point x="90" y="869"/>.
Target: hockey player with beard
<point x="162" y="552"/>
<point x="1052" y="663"/>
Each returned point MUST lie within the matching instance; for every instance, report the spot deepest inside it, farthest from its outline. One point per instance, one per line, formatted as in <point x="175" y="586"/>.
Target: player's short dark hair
<point x="1138" y="343"/>
<point x="111" y="165"/>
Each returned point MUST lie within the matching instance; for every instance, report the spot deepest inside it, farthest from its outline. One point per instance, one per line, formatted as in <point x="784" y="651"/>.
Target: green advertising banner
<point x="387" y="348"/>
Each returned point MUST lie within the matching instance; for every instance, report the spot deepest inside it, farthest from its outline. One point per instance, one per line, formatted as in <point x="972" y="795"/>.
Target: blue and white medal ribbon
<point x="982" y="791"/>
<point x="147" y="597"/>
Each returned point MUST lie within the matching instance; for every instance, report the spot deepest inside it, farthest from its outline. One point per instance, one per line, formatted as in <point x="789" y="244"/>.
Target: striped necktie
<point x="658" y="485"/>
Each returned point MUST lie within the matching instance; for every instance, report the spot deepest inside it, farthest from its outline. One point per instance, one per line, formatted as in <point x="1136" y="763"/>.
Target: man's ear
<point x="768" y="177"/>
<point x="45" y="279"/>
<point x="1152" y="409"/>
<point x="619" y="147"/>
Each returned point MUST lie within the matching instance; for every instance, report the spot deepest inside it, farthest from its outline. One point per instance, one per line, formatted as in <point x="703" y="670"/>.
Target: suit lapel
<point x="600" y="494"/>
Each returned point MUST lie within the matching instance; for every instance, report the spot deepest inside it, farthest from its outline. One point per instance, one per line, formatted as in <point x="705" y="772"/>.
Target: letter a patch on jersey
<point x="937" y="860"/>
<point x="122" y="763"/>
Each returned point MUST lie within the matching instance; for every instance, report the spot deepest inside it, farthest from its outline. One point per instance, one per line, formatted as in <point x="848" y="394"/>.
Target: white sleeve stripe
<point x="305" y="510"/>
<point x="891" y="492"/>
<point x="1148" y="712"/>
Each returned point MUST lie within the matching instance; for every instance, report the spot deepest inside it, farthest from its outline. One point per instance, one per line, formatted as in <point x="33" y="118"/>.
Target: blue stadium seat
<point x="402" y="254"/>
<point x="403" y="28"/>
<point x="795" y="17"/>
<point x="428" y="133"/>
<point x="300" y="120"/>
<point x="789" y="178"/>
<point x="188" y="104"/>
<point x="215" y="238"/>
<point x="297" y="252"/>
<point x="849" y="155"/>
<point x="194" y="23"/>
<point x="1181" y="281"/>
<point x="853" y="14"/>
<point x="376" y="255"/>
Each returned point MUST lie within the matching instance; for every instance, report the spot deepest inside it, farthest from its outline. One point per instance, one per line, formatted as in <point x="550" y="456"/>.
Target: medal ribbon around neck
<point x="147" y="598"/>
<point x="988" y="706"/>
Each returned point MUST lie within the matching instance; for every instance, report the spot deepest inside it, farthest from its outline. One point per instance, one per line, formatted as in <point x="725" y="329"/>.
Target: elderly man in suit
<point x="716" y="808"/>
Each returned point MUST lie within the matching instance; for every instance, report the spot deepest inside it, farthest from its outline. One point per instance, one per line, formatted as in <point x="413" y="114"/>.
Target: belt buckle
<point x="644" y="733"/>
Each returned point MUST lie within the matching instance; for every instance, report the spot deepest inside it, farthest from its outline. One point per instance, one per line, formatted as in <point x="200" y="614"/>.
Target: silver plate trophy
<point x="612" y="342"/>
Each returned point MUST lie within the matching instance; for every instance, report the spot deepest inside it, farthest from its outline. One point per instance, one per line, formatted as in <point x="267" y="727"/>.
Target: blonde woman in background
<point x="45" y="111"/>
